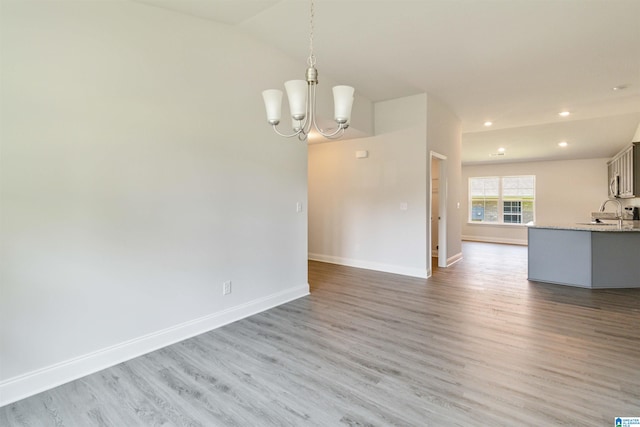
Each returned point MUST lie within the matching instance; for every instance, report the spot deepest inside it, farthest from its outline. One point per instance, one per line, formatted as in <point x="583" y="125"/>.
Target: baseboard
<point x="16" y="388"/>
<point x="495" y="240"/>
<point x="453" y="259"/>
<point x="368" y="265"/>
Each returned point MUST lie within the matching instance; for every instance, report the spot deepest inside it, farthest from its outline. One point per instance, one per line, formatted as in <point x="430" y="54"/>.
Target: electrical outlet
<point x="226" y="288"/>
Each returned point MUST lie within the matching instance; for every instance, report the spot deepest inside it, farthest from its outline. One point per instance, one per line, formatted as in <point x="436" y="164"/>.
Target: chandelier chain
<point x="312" y="59"/>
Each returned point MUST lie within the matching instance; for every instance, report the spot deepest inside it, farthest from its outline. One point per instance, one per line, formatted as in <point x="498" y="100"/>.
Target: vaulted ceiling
<point x="516" y="63"/>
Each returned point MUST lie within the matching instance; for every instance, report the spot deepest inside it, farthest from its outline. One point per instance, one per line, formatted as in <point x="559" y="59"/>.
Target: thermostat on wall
<point x="362" y="154"/>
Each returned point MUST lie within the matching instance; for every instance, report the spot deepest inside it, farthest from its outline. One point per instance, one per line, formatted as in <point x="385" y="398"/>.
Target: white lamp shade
<point x="273" y="105"/>
<point x="297" y="94"/>
<point x="343" y="102"/>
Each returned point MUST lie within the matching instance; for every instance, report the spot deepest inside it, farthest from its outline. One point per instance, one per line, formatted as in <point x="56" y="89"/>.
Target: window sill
<point x="496" y="224"/>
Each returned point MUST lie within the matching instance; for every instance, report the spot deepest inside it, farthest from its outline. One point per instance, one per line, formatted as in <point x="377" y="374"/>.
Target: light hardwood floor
<point x="475" y="345"/>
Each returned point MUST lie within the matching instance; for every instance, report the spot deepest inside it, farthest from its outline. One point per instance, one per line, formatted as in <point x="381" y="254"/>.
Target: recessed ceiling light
<point x="563" y="144"/>
<point x="620" y="87"/>
<point x="487" y="124"/>
<point x="501" y="150"/>
<point x="564" y="113"/>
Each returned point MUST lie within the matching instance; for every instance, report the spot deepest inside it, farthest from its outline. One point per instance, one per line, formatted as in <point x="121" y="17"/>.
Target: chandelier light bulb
<point x="342" y="102"/>
<point x="273" y="105"/>
<point x="297" y="94"/>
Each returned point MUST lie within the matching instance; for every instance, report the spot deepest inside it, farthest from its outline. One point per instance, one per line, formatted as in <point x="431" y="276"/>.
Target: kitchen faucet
<point x="618" y="212"/>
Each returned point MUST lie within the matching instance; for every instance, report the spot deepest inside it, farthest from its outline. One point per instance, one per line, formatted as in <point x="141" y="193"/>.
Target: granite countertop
<point x="627" y="226"/>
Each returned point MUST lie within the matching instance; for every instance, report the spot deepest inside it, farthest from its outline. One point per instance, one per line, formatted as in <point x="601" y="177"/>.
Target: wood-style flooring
<point x="475" y="345"/>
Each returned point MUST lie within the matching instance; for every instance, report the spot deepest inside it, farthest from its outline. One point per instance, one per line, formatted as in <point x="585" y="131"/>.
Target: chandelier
<point x="302" y="101"/>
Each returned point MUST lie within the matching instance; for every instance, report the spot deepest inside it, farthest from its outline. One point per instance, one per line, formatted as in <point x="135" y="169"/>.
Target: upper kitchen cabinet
<point x="624" y="173"/>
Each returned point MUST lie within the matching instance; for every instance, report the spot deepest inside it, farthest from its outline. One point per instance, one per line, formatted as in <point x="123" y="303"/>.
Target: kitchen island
<point x="597" y="256"/>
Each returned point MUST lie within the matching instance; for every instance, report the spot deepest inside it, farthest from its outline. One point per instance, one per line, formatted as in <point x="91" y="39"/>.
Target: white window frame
<point x="501" y="201"/>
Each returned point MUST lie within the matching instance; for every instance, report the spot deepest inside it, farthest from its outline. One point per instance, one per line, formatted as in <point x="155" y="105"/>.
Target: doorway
<point x="437" y="246"/>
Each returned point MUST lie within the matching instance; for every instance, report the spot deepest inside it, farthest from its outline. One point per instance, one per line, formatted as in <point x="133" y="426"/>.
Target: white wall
<point x="444" y="137"/>
<point x="355" y="205"/>
<point x="138" y="173"/>
<point x="567" y="191"/>
<point x="400" y="114"/>
<point x="355" y="215"/>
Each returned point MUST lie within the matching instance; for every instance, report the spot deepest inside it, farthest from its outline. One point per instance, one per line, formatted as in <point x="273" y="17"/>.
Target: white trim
<point x="453" y="259"/>
<point x="496" y="224"/>
<point x="28" y="384"/>
<point x="500" y="197"/>
<point x="368" y="265"/>
<point x="496" y="240"/>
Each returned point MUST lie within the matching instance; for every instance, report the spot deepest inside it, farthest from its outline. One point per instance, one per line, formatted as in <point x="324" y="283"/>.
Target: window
<point x="512" y="212"/>
<point x="502" y="199"/>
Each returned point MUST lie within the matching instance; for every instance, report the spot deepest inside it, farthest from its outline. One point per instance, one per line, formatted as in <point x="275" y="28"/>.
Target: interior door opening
<point x="438" y="210"/>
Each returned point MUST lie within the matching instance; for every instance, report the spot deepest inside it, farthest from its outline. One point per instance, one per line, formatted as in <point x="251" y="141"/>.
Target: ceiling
<point x="516" y="63"/>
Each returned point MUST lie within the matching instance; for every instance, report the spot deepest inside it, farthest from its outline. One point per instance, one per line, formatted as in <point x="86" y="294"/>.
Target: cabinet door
<point x="626" y="173"/>
<point x="616" y="179"/>
<point x="613" y="177"/>
<point x="630" y="189"/>
<point x="624" y="182"/>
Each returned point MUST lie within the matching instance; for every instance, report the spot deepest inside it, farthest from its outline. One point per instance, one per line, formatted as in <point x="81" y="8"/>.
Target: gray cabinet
<point x="624" y="173"/>
<point x="587" y="259"/>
